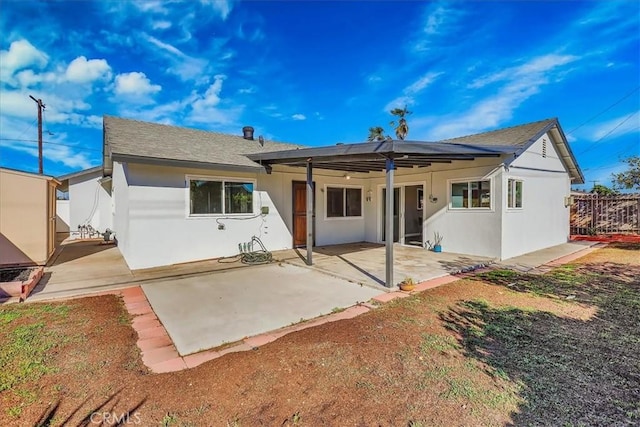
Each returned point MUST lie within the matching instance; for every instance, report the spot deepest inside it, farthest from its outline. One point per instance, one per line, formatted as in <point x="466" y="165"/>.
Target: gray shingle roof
<point x="517" y="136"/>
<point x="125" y="138"/>
<point x="522" y="136"/>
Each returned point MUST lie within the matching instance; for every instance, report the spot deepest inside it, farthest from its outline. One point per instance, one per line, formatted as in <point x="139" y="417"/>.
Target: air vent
<point x="544" y="147"/>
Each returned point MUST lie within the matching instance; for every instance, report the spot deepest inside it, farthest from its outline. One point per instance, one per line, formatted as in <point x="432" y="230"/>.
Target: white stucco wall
<point x="120" y="198"/>
<point x="465" y="231"/>
<point x="89" y="203"/>
<point x="62" y="216"/>
<point x="543" y="220"/>
<point x="474" y="232"/>
<point x="154" y="229"/>
<point x="328" y="230"/>
<point x="158" y="230"/>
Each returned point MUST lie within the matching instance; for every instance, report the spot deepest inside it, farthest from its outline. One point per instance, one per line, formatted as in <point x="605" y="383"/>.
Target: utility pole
<point x="40" y="108"/>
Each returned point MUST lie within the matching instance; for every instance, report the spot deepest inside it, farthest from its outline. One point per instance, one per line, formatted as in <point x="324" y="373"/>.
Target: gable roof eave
<point x="566" y="155"/>
<point x="562" y="146"/>
<point x="553" y="122"/>
<point x="79" y="173"/>
<point x="127" y="158"/>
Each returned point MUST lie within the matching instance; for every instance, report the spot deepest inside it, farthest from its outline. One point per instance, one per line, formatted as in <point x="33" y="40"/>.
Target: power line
<point x="605" y="110"/>
<point x="52" y="143"/>
<point x="608" y="133"/>
<point x="601" y="168"/>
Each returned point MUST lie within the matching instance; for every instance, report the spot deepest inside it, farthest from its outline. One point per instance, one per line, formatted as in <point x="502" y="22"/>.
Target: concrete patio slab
<point x="206" y="311"/>
<point x="365" y="262"/>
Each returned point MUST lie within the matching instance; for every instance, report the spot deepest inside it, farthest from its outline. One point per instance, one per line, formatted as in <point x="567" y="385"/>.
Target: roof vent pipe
<point x="247" y="132"/>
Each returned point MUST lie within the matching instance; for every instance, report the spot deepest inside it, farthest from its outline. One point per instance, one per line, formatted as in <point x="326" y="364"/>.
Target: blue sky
<point x="317" y="73"/>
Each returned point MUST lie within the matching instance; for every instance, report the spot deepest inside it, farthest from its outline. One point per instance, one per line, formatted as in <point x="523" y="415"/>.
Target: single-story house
<point x="180" y="195"/>
<point x="87" y="202"/>
<point x="27" y="218"/>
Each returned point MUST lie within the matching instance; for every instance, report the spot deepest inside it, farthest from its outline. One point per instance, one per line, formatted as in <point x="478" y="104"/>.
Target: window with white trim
<point x="344" y="202"/>
<point x="514" y="193"/>
<point x="219" y="197"/>
<point x="470" y="195"/>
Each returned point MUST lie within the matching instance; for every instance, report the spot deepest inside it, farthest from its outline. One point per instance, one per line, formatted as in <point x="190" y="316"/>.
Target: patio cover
<point x="374" y="156"/>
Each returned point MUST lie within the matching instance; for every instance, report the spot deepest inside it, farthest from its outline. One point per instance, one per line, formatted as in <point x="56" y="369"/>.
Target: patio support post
<point x="388" y="234"/>
<point x="310" y="230"/>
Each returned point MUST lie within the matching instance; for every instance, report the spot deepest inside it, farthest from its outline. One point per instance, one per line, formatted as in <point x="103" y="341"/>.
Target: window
<point x="471" y="194"/>
<point x="344" y="202"/>
<point x="218" y="197"/>
<point x="514" y="193"/>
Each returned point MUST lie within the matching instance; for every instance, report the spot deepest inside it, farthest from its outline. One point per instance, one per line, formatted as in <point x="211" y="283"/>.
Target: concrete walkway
<point x="84" y="267"/>
<point x="535" y="259"/>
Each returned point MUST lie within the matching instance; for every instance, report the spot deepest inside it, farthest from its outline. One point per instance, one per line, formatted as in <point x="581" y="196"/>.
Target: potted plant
<point x="437" y="241"/>
<point x="407" y="284"/>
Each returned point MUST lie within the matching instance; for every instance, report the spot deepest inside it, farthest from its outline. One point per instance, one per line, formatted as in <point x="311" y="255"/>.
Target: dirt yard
<point x="497" y="348"/>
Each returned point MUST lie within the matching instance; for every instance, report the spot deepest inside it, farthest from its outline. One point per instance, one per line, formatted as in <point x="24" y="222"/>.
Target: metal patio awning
<point x="369" y="157"/>
<point x="372" y="156"/>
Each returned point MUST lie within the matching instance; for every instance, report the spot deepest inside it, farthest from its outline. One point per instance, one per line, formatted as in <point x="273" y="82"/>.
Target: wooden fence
<point x="594" y="214"/>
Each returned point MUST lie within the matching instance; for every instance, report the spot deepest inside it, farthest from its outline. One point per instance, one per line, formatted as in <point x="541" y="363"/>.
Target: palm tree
<point x="403" y="128"/>
<point x="376" y="133"/>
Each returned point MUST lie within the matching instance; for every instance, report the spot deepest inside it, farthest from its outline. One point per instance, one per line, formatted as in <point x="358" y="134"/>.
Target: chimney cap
<point x="247" y="132"/>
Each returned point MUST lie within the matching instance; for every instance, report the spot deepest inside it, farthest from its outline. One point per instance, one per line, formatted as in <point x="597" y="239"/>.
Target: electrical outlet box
<point x="264" y="210"/>
<point x="220" y="226"/>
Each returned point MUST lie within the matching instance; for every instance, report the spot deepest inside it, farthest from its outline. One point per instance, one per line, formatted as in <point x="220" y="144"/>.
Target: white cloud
<point x="399" y="102"/>
<point x="67" y="154"/>
<point x="184" y="66"/>
<point x="440" y="19"/>
<point x="435" y="19"/>
<point x="207" y="108"/>
<point x="28" y="78"/>
<point x="21" y="54"/>
<point x="537" y="65"/>
<point x="160" y="25"/>
<point x="81" y="70"/>
<point x="164" y="46"/>
<point x="135" y="87"/>
<point x="486" y="114"/>
<point x="57" y="153"/>
<point x="17" y="104"/>
<point x="272" y="110"/>
<point x="211" y="97"/>
<point x="409" y="92"/>
<point x="250" y="31"/>
<point x="520" y="83"/>
<point x="223" y="7"/>
<point x="614" y="128"/>
<point x="151" y="7"/>
<point x="299" y="117"/>
<point x="58" y="110"/>
<point x="421" y="83"/>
